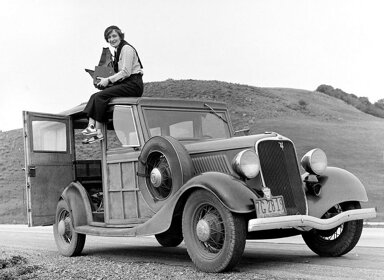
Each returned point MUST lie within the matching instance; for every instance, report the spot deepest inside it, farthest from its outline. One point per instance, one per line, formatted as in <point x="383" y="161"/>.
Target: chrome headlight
<point x="246" y="164"/>
<point x="314" y="162"/>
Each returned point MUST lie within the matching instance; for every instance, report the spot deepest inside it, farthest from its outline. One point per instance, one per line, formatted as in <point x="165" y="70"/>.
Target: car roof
<point x="152" y="102"/>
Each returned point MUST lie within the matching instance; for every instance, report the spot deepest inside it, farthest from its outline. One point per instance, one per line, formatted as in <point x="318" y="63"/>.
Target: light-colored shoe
<point x="89" y="131"/>
<point x="93" y="139"/>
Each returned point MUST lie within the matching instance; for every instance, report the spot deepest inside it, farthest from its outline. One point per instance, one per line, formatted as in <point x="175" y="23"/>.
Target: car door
<point x="48" y="164"/>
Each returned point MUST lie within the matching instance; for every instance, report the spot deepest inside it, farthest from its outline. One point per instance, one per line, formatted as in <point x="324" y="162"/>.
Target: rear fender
<point x="78" y="202"/>
<point x="233" y="193"/>
<point x="338" y="185"/>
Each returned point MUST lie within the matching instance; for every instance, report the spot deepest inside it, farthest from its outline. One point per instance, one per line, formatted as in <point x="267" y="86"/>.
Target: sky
<point x="46" y="44"/>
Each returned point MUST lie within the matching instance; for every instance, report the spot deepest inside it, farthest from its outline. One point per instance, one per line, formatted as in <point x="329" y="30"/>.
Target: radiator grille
<point x="281" y="173"/>
<point x="217" y="163"/>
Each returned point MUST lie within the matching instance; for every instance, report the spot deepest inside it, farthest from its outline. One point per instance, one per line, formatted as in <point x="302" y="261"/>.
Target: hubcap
<point x="64" y="226"/>
<point x="209" y="230"/>
<point x="156" y="177"/>
<point x="203" y="230"/>
<point x="159" y="177"/>
<point x="61" y="227"/>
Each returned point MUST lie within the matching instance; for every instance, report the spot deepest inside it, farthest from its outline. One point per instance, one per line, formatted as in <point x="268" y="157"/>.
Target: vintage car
<point x="177" y="170"/>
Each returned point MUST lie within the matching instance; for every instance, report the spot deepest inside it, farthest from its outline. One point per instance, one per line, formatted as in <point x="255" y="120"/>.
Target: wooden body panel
<point x="123" y="198"/>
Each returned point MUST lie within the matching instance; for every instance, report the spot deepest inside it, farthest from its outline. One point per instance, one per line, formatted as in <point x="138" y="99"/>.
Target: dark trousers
<point x="96" y="107"/>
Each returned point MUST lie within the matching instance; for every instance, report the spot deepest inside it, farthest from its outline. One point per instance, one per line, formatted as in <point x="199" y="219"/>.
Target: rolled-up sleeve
<point x="125" y="64"/>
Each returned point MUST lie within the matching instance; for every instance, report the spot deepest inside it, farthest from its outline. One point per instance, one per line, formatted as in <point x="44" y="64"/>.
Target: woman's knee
<point x="101" y="95"/>
<point x="93" y="96"/>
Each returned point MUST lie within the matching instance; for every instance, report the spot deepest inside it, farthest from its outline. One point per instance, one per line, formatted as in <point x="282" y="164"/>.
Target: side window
<point x="49" y="136"/>
<point x="155" y="131"/>
<point x="124" y="133"/>
<point x="181" y="129"/>
<point x="213" y="126"/>
<point x="187" y="124"/>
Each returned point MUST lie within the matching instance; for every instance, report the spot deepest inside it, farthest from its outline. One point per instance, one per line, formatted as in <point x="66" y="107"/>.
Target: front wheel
<point x="214" y="236"/>
<point x="339" y="240"/>
<point x="68" y="242"/>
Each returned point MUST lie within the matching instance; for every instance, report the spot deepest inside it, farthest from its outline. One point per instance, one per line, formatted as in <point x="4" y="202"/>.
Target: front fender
<point x="233" y="193"/>
<point x="338" y="185"/>
<point x="78" y="202"/>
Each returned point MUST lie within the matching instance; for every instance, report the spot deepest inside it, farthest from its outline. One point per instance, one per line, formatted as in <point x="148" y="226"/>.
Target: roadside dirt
<point x="28" y="264"/>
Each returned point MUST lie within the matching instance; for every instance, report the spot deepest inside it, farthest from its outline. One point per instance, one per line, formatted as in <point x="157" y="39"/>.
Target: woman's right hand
<point x="103" y="82"/>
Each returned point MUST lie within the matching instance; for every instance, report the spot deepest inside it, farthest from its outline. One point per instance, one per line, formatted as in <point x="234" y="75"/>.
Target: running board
<point x="103" y="231"/>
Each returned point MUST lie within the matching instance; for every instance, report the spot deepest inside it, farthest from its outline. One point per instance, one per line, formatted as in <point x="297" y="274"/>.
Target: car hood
<point x="241" y="142"/>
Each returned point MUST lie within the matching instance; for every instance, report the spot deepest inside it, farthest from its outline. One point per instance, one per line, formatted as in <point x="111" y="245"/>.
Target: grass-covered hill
<point x="361" y="103"/>
<point x="351" y="138"/>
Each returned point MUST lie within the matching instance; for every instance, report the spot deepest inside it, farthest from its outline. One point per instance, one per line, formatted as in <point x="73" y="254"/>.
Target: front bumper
<point x="305" y="222"/>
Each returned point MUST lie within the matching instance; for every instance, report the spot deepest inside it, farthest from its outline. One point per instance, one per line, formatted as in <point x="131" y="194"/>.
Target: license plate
<point x="270" y="207"/>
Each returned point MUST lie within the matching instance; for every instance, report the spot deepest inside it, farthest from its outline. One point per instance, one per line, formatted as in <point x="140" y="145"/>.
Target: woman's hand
<point x="103" y="82"/>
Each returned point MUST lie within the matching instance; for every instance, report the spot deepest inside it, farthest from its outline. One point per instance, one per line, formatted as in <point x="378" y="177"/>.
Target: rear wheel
<point x="214" y="236"/>
<point x="339" y="240"/>
<point x="68" y="242"/>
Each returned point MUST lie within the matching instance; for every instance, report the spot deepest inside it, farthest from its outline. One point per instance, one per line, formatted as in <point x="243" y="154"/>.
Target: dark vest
<point x="117" y="55"/>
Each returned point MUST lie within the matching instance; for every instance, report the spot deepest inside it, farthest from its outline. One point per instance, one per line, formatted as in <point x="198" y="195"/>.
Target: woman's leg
<point x="91" y="122"/>
<point x="98" y="102"/>
<point x="98" y="129"/>
<point x="97" y="105"/>
<point x="90" y="129"/>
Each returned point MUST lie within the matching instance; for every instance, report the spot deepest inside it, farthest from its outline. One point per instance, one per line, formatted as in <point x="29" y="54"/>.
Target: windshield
<point x="187" y="125"/>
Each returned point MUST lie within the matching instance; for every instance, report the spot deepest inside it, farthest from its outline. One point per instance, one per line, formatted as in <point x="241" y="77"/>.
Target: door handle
<point x="32" y="171"/>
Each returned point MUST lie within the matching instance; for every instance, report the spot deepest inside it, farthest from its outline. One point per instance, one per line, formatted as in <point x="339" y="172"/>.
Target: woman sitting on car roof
<point x="126" y="82"/>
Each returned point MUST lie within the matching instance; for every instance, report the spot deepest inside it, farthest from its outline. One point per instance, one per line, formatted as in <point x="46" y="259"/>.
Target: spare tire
<point x="164" y="166"/>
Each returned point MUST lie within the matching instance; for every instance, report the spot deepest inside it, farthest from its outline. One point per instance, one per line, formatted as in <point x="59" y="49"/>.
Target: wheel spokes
<point x="216" y="230"/>
<point x="66" y="219"/>
<point x="163" y="187"/>
<point x="334" y="233"/>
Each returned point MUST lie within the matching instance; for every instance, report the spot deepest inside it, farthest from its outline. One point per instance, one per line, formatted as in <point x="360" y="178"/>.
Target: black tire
<point x="214" y="236"/>
<point x="164" y="166"/>
<point x="337" y="241"/>
<point x="68" y="242"/>
<point x="169" y="239"/>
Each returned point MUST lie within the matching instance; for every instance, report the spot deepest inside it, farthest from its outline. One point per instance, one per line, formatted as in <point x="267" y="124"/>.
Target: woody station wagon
<point x="177" y="170"/>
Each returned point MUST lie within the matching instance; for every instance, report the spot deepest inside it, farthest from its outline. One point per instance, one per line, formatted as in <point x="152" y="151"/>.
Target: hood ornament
<point x="281" y="145"/>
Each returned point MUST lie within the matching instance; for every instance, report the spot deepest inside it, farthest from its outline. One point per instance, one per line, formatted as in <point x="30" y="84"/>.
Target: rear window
<point x="49" y="136"/>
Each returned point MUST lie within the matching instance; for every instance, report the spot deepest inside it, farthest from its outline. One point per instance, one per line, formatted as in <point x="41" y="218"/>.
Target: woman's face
<point x="114" y="39"/>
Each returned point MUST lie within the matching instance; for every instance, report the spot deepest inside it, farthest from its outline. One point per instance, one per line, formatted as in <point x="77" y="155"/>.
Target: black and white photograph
<point x="216" y="139"/>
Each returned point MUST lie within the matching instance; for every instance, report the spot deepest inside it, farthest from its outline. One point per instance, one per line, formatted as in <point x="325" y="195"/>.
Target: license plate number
<point x="270" y="207"/>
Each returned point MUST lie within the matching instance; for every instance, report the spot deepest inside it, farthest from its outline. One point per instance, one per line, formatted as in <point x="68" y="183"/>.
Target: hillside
<point x="311" y="119"/>
<point x="360" y="103"/>
<point x="12" y="180"/>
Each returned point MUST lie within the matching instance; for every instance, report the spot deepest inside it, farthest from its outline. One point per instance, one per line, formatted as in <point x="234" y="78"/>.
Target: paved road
<point x="287" y="258"/>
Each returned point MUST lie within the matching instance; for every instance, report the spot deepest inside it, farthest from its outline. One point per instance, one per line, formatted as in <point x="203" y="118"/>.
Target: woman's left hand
<point x="103" y="82"/>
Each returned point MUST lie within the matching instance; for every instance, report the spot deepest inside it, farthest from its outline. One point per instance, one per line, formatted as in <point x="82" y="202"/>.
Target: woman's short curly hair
<point x="113" y="28"/>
